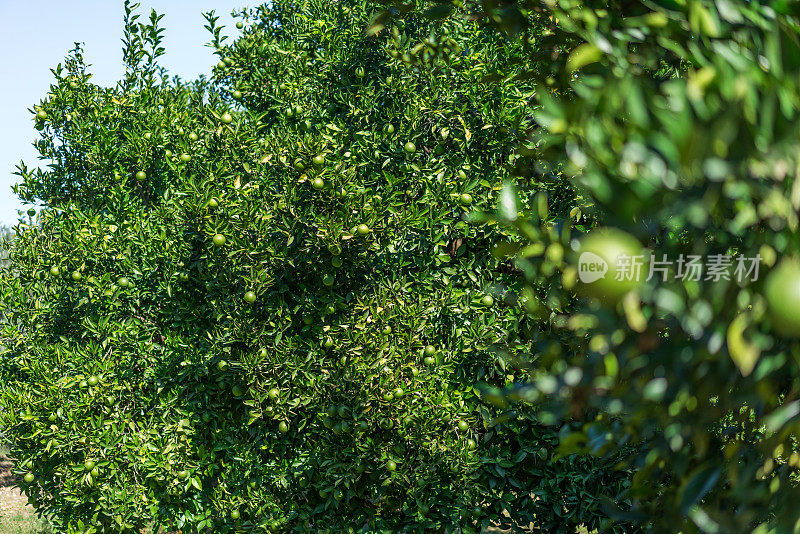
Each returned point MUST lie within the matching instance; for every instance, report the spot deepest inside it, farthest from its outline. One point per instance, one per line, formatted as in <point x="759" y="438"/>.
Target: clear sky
<point x="39" y="33"/>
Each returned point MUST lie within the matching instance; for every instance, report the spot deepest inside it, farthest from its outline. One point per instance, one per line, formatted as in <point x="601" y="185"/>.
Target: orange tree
<point x="677" y="123"/>
<point x="251" y="303"/>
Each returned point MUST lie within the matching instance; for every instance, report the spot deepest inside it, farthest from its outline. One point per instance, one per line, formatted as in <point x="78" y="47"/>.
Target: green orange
<point x="617" y="253"/>
<point x="782" y="291"/>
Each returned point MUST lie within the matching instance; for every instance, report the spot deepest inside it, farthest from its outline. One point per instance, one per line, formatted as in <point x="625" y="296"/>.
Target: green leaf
<point x="583" y="55"/>
<point x="699" y="483"/>
<point x="509" y="202"/>
<point x="778" y="419"/>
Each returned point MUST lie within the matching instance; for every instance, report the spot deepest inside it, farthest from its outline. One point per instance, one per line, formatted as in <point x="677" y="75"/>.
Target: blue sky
<point x="39" y="34"/>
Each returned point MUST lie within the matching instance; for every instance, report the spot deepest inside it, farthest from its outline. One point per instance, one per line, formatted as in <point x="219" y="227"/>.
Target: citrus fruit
<point x="606" y="261"/>
<point x="782" y="291"/>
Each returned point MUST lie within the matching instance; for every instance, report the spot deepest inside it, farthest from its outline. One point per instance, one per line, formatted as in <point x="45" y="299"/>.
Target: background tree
<point x="6" y="234"/>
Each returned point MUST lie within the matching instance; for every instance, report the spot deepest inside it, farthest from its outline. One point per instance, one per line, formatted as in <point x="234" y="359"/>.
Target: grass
<point x="14" y="520"/>
<point x="23" y="524"/>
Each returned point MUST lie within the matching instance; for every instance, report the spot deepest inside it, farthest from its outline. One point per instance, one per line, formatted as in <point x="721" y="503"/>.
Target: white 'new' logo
<point x="591" y="267"/>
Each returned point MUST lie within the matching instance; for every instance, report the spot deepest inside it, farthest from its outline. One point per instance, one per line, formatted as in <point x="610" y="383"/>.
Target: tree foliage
<point x="677" y="123"/>
<point x="252" y="303"/>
